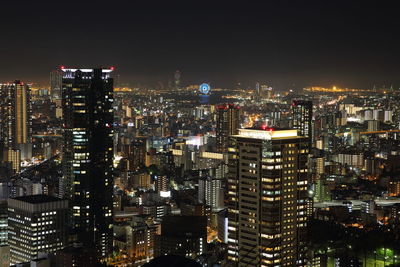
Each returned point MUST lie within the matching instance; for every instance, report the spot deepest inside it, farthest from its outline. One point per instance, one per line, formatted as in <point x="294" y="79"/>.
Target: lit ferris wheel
<point x="204" y="88"/>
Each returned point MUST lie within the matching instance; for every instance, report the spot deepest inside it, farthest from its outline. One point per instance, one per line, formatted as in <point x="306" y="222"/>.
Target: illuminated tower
<point x="302" y="117"/>
<point x="88" y="155"/>
<point x="227" y="124"/>
<point x="15" y="114"/>
<point x="15" y="122"/>
<point x="267" y="193"/>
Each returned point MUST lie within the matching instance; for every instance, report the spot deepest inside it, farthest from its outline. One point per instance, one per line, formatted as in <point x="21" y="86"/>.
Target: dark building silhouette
<point x="137" y="155"/>
<point x="184" y="236"/>
<point x="172" y="261"/>
<point x="76" y="255"/>
<point x="88" y="155"/>
<point x="228" y="120"/>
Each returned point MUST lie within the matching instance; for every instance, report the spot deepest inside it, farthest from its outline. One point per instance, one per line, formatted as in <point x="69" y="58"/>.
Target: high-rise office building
<point x="15" y="120"/>
<point x="37" y="224"/>
<point x="56" y="77"/>
<point x="267" y="193"/>
<point x="228" y="119"/>
<point x="302" y="111"/>
<point x="88" y="155"/>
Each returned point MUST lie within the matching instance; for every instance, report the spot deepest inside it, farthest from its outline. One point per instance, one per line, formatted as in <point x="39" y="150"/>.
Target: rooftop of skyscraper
<point x="35" y="199"/>
<point x="268" y="133"/>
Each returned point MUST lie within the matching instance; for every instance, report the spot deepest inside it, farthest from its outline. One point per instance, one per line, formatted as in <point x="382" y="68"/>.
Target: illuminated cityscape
<point x="200" y="135"/>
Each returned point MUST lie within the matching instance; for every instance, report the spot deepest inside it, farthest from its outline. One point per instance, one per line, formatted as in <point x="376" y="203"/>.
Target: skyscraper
<point x="56" y="84"/>
<point x="210" y="192"/>
<point x="37" y="224"/>
<point x="267" y="189"/>
<point x="15" y="122"/>
<point x="302" y="117"/>
<point x="88" y="155"/>
<point x="227" y="124"/>
<point x="15" y="114"/>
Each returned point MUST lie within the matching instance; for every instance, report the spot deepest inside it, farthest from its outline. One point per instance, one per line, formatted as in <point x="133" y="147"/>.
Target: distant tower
<point x="302" y="117"/>
<point x="227" y="124"/>
<point x="177" y="80"/>
<point x="258" y="88"/>
<point x="56" y="84"/>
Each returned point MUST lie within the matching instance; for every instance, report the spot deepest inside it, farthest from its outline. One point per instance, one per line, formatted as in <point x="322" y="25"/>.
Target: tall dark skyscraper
<point x="302" y="117"/>
<point x="88" y="155"/>
<point x="227" y="124"/>
<point x="267" y="194"/>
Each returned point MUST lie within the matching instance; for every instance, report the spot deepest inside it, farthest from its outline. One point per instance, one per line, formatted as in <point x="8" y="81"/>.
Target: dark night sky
<point x="346" y="43"/>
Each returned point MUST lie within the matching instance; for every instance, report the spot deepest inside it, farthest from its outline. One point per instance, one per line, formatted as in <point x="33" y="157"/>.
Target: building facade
<point x="15" y="123"/>
<point x="211" y="192"/>
<point x="56" y="77"/>
<point x="88" y="155"/>
<point x="37" y="224"/>
<point x="3" y="223"/>
<point x="267" y="195"/>
<point x="302" y="111"/>
<point x="228" y="122"/>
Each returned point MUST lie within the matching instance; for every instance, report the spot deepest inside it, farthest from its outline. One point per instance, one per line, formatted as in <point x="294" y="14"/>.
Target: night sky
<point x="290" y="44"/>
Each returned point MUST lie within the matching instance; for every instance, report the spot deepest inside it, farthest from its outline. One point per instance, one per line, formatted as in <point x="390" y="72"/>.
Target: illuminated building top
<point x="267" y="133"/>
<point x="105" y="70"/>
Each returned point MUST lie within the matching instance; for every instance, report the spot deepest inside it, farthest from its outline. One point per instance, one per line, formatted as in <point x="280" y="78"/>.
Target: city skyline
<point x="144" y="134"/>
<point x="288" y="46"/>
